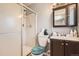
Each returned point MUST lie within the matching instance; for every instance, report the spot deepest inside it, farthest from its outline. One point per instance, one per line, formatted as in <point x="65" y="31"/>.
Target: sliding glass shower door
<point x="28" y="31"/>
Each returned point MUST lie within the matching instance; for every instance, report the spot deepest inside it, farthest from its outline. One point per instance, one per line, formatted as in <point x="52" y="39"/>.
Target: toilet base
<point x="38" y="55"/>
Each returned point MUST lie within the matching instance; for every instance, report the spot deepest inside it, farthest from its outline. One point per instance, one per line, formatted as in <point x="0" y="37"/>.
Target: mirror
<point x="65" y="16"/>
<point x="72" y="15"/>
<point x="60" y="17"/>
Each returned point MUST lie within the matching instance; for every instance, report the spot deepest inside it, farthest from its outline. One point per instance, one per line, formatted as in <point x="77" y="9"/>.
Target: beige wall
<point x="45" y="18"/>
<point x="10" y="30"/>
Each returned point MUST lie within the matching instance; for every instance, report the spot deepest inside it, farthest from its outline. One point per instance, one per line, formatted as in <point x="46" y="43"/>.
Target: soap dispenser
<point x="54" y="34"/>
<point x="75" y="33"/>
<point x="71" y="33"/>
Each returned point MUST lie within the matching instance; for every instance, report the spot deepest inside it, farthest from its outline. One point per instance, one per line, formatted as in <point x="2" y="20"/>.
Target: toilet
<point x="42" y="41"/>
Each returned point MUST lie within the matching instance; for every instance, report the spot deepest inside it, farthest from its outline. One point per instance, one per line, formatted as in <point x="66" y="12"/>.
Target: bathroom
<point x="21" y="24"/>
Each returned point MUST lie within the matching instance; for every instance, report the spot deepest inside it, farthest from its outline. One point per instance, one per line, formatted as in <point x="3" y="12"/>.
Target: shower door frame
<point x="24" y="6"/>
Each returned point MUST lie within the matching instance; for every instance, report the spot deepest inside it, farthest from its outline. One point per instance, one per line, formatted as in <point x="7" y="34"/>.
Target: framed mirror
<point x="65" y="16"/>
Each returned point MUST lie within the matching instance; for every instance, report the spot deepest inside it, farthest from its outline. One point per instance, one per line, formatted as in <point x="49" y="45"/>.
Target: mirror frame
<point x="65" y="7"/>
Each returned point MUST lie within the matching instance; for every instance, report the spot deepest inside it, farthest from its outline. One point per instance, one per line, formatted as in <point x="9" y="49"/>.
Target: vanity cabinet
<point x="64" y="47"/>
<point x="56" y="47"/>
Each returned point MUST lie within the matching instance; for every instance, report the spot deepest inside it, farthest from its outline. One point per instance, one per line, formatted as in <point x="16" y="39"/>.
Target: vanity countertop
<point x="65" y="38"/>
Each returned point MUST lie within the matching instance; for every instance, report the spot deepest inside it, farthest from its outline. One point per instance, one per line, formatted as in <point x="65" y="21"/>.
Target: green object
<point x="37" y="50"/>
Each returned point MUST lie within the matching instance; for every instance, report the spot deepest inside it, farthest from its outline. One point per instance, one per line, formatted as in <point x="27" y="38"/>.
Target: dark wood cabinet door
<point x="71" y="48"/>
<point x="56" y="47"/>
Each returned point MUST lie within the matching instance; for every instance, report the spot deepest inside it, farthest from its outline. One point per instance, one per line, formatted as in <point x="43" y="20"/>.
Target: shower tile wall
<point x="28" y="32"/>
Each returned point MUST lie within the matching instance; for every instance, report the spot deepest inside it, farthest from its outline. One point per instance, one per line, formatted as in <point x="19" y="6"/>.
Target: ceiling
<point x="27" y="4"/>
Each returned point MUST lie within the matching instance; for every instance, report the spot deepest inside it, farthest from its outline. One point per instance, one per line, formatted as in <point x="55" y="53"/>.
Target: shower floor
<point x="26" y="50"/>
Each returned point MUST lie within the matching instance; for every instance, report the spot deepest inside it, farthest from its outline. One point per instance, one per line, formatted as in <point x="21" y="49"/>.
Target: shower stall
<point x="18" y="29"/>
<point x="29" y="30"/>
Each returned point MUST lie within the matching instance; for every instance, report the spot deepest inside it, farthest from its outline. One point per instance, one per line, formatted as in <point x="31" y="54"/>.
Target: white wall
<point x="10" y="30"/>
<point x="45" y="18"/>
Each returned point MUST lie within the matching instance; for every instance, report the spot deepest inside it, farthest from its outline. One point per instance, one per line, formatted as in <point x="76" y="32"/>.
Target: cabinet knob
<point x="66" y="44"/>
<point x="62" y="43"/>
